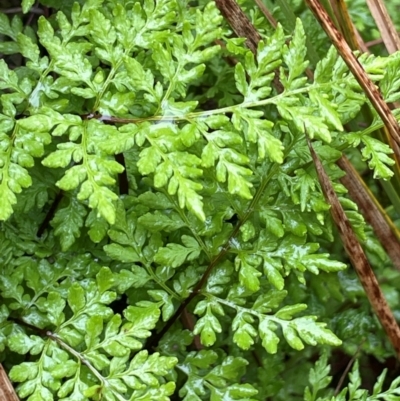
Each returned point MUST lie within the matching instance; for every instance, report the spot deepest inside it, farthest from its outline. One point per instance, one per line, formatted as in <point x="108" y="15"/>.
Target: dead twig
<point x="7" y="392"/>
<point x="383" y="227"/>
<point x="385" y="25"/>
<point x="348" y="367"/>
<point x="357" y="257"/>
<point x="356" y="68"/>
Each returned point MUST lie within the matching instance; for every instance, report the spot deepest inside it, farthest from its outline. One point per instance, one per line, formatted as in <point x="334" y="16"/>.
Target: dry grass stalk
<point x="267" y="13"/>
<point x="358" y="258"/>
<point x="7" y="392"/>
<point x="346" y="25"/>
<point x="385" y="25"/>
<point x="358" y="71"/>
<point x="383" y="227"/>
<point x="239" y="23"/>
<point x="243" y="28"/>
<point x="375" y="215"/>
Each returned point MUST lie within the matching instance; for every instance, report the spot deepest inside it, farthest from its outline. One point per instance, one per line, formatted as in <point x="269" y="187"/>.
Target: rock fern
<point x="223" y="204"/>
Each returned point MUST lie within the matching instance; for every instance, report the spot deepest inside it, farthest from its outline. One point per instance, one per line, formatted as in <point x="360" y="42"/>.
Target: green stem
<point x="84" y="361"/>
<point x="392" y="194"/>
<point x="76" y="354"/>
<point x="224" y="110"/>
<point x="233" y="305"/>
<point x="151" y="273"/>
<point x="170" y="88"/>
<point x="161" y="284"/>
<point x="115" y="69"/>
<point x="85" y="156"/>
<point x="187" y="222"/>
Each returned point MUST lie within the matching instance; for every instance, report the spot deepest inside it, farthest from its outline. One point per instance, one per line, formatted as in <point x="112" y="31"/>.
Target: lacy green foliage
<point x="220" y="181"/>
<point x="319" y="379"/>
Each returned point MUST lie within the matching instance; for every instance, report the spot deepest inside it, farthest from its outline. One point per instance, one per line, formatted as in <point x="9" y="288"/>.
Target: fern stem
<point x="161" y="284"/>
<point x="85" y="362"/>
<point x="228" y="109"/>
<point x="223" y="252"/>
<point x="187" y="222"/>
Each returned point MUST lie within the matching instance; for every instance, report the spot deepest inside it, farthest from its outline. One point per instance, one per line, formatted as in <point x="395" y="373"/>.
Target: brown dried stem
<point x="374" y="214"/>
<point x="7" y="392"/>
<point x="385" y="25"/>
<point x="357" y="257"/>
<point x="356" y="68"/>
